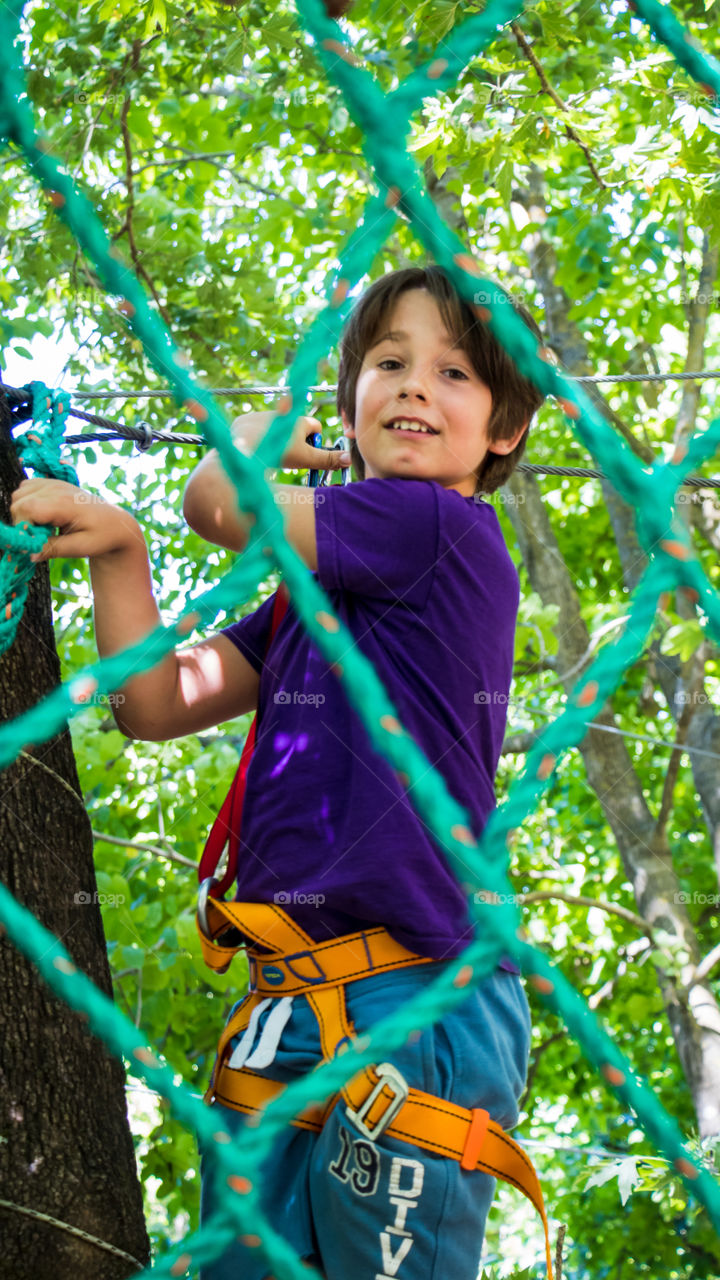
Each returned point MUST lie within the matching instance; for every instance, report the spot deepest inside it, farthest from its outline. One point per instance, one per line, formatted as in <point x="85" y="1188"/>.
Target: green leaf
<point x="683" y="639"/>
<point x="628" y="1178"/>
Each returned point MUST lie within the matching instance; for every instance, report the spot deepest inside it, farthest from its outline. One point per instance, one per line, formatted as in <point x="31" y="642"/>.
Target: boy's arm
<point x="210" y="507"/>
<point x="191" y="689"/>
<point x="186" y="692"/>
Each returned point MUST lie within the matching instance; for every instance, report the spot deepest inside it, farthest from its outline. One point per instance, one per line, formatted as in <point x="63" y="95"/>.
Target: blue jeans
<point x="362" y="1210"/>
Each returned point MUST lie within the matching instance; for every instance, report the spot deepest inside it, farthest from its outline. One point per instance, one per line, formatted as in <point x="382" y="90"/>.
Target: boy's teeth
<point x="409" y="426"/>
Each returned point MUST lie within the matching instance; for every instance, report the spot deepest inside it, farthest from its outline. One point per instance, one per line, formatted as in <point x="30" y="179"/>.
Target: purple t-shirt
<point x="421" y="577"/>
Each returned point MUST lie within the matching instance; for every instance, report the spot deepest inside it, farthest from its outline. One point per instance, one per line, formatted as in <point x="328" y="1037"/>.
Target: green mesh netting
<point x="480" y="865"/>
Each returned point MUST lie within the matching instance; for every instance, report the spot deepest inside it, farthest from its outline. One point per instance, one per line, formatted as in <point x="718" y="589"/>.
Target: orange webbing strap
<point x="334" y="1025"/>
<point x="235" y="1025"/>
<point x="246" y="1091"/>
<point x="329" y="1009"/>
<point x="293" y="964"/>
<point x="433" y="1124"/>
<point x="262" y="922"/>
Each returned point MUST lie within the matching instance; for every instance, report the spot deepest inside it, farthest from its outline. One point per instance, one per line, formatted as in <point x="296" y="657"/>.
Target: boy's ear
<point x="507" y="446"/>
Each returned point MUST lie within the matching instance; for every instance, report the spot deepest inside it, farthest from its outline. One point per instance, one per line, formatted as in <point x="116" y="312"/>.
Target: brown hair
<point x="514" y="398"/>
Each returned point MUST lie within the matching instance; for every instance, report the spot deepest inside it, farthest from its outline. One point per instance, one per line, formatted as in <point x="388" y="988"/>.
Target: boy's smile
<point x="421" y="410"/>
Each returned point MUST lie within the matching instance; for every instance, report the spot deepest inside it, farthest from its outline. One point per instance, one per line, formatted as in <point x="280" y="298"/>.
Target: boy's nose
<point x="416" y="379"/>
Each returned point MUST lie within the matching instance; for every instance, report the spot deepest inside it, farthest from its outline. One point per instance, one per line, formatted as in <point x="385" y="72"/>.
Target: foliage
<point x="247" y="174"/>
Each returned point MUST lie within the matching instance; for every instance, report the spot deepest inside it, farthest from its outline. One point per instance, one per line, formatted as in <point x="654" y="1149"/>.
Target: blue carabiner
<point x="315" y="439"/>
<point x="343" y="444"/>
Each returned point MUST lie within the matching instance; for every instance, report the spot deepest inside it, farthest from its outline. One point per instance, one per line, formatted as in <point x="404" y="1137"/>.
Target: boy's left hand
<point x="249" y="429"/>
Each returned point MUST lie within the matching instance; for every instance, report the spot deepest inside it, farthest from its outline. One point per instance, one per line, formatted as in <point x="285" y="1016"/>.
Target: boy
<point x="417" y="569"/>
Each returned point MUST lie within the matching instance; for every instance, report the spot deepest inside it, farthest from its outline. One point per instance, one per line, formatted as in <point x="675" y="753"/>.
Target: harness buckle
<point x="227" y="937"/>
<point x="387" y="1075"/>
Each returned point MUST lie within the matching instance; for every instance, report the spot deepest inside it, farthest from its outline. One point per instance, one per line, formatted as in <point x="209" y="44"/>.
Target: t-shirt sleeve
<point x="251" y="633"/>
<point x="378" y="538"/>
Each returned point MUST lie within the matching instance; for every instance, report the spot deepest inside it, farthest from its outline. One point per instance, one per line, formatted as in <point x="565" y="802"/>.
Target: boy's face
<point x="415" y="371"/>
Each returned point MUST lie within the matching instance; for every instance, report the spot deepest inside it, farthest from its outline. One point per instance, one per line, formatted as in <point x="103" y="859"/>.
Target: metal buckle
<point x="229" y="936"/>
<point x="343" y="444"/>
<point x="203" y="895"/>
<point x="387" y="1075"/>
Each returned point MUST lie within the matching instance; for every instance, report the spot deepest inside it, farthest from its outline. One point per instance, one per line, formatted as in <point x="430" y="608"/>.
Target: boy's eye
<point x="390" y="360"/>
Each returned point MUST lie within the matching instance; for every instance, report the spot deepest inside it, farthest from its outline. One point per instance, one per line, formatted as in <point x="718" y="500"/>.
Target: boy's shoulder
<point x="398" y="506"/>
<point x="451" y="506"/>
<point x="394" y="539"/>
<point x="410" y="491"/>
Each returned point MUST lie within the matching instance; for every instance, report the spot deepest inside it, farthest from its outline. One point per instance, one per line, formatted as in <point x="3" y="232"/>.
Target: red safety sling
<point x="226" y="827"/>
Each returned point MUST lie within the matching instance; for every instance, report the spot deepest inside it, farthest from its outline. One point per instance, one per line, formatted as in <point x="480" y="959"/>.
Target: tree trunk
<point x="691" y="1007"/>
<point x="703" y="728"/>
<point x="66" y="1149"/>
<point x="693" y="1013"/>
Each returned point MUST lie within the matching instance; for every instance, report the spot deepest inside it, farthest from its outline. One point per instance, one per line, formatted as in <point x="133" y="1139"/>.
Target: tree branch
<point x="149" y="848"/>
<point x="683" y="725"/>
<point x="704" y="514"/>
<point x="705" y="968"/>
<point x="535" y="1063"/>
<point x="216" y="159"/>
<point x="548" y="89"/>
<point x="517" y="744"/>
<point x="128" y="223"/>
<point x="613" y="908"/>
<point x="607" y="989"/>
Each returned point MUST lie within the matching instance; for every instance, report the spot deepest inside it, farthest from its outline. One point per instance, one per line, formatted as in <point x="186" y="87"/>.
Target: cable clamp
<point x="145" y="440"/>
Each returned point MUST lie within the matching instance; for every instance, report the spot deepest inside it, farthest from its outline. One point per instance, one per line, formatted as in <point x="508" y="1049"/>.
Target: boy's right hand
<point x="249" y="429"/>
<point x="87" y="525"/>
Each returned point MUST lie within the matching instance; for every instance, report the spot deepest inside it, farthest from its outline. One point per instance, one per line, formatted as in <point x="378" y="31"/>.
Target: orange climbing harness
<point x="285" y="961"/>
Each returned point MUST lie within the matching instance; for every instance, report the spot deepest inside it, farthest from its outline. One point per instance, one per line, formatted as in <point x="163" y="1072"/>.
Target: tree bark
<point x="66" y="1149"/>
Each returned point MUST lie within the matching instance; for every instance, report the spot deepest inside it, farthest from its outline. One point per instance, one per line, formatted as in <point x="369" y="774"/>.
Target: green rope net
<point x="479" y="865"/>
<point x="37" y="448"/>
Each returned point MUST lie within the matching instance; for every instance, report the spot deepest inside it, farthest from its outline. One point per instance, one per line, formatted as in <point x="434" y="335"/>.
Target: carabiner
<point x="343" y="444"/>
